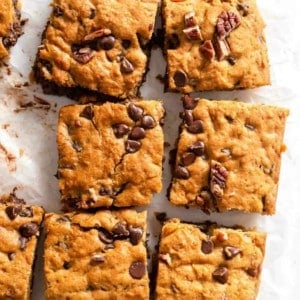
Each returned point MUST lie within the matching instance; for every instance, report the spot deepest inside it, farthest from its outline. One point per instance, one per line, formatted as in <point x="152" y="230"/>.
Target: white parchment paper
<point x="28" y="155"/>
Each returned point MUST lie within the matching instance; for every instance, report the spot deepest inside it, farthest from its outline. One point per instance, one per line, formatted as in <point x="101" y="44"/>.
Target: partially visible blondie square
<point x="10" y="25"/>
<point x="209" y="262"/>
<point x="91" y="48"/>
<point x="110" y="154"/>
<point x="229" y="156"/>
<point x="19" y="231"/>
<point x="96" y="256"/>
<point x="214" y="45"/>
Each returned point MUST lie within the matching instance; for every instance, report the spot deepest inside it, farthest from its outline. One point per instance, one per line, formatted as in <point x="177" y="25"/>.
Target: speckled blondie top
<point x="97" y="44"/>
<point x="214" y="45"/>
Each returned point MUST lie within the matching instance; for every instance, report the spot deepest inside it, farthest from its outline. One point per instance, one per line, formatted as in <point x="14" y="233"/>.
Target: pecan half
<point x="226" y="22"/>
<point x="82" y="55"/>
<point x="218" y="176"/>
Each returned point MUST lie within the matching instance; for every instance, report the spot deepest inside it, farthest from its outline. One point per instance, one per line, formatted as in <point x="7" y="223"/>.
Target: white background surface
<point x="28" y="157"/>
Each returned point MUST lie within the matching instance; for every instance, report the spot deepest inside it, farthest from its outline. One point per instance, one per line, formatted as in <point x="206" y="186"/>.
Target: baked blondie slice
<point x="214" y="45"/>
<point x="209" y="262"/>
<point x="10" y="25"/>
<point x="96" y="256"/>
<point x="19" y="231"/>
<point x="228" y="156"/>
<point x="91" y="48"/>
<point x="110" y="154"/>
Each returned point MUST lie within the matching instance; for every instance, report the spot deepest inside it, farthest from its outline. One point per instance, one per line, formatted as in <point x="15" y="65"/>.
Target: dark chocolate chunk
<point x="135" y="112"/>
<point x="220" y="275"/>
<point x="230" y="252"/>
<point x="195" y="127"/>
<point x="197" y="148"/>
<point x="193" y="33"/>
<point x="126" y="66"/>
<point x="82" y="54"/>
<point x="253" y="272"/>
<point x="231" y="60"/>
<point x="161" y="216"/>
<point x="188" y="158"/>
<point x="96" y="258"/>
<point x="57" y="11"/>
<point x="87" y="112"/>
<point x="137" y="133"/>
<point x="208" y="50"/>
<point x="120" y="130"/>
<point x="120" y="230"/>
<point x="243" y="8"/>
<point x="132" y="146"/>
<point x="12" y="211"/>
<point x="23" y="242"/>
<point x="189" y="102"/>
<point x="92" y="14"/>
<point x="105" y="236"/>
<point x="189" y="19"/>
<point x="182" y="172"/>
<point x="126" y="44"/>
<point x="180" y="78"/>
<point x="207" y="246"/>
<point x="137" y="270"/>
<point x="218" y="176"/>
<point x="136" y="233"/>
<point x="67" y="265"/>
<point x="107" y="42"/>
<point x="148" y="122"/>
<point x="29" y="229"/>
<point x="11" y="255"/>
<point x="226" y="22"/>
<point x="172" y="41"/>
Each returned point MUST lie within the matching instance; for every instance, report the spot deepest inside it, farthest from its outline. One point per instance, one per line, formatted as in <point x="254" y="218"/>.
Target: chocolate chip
<point x="195" y="127"/>
<point x="67" y="265"/>
<point x="243" y="8"/>
<point x="105" y="236"/>
<point x="12" y="211"/>
<point x="96" y="258"/>
<point x="137" y="133"/>
<point x="82" y="54"/>
<point x="193" y="33"/>
<point x="136" y="233"/>
<point x="57" y="11"/>
<point x="29" y="229"/>
<point x="120" y="130"/>
<point x="220" y="275"/>
<point x="87" y="112"/>
<point x="231" y="60"/>
<point x="120" y="230"/>
<point x="253" y="272"/>
<point x="161" y="216"/>
<point x="23" y="242"/>
<point x="126" y="44"/>
<point x="76" y="146"/>
<point x="11" y="255"/>
<point x="180" y="78"/>
<point x="92" y="14"/>
<point x="208" y="50"/>
<point x="230" y="252"/>
<point x="172" y="41"/>
<point x="187" y="116"/>
<point x="132" y="146"/>
<point x="207" y="246"/>
<point x="135" y="112"/>
<point x="107" y="42"/>
<point x="189" y="102"/>
<point x="182" y="172"/>
<point x="126" y="66"/>
<point x="188" y="158"/>
<point x="148" y="122"/>
<point x="137" y="270"/>
<point x="189" y="19"/>
<point x="197" y="148"/>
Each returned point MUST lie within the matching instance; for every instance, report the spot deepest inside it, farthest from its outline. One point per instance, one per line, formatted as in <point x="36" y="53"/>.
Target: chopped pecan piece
<point x="193" y="33"/>
<point x="207" y="49"/>
<point x="83" y="55"/>
<point x="96" y="34"/>
<point x="218" y="176"/>
<point x="222" y="48"/>
<point x="227" y="21"/>
<point x="189" y="19"/>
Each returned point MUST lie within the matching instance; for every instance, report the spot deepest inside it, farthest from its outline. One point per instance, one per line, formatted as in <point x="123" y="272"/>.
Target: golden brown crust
<point x="96" y="168"/>
<point x="16" y="251"/>
<point x="79" y="265"/>
<point x="76" y="23"/>
<point x="188" y="258"/>
<point x="248" y="65"/>
<point x="239" y="167"/>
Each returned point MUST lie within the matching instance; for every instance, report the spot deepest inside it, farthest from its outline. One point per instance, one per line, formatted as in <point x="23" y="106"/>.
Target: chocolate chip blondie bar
<point x="96" y="256"/>
<point x="209" y="262"/>
<point x="10" y="25"/>
<point x="228" y="156"/>
<point x="19" y="230"/>
<point x="96" y="47"/>
<point x="214" y="45"/>
<point x="110" y="154"/>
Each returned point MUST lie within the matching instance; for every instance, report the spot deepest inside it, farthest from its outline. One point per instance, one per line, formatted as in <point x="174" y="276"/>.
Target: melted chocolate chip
<point x="180" y="78"/>
<point x="12" y="211"/>
<point x="107" y="42"/>
<point x="220" y="275"/>
<point x="120" y="230"/>
<point x="137" y="133"/>
<point x="136" y="233"/>
<point x="126" y="66"/>
<point x="189" y="102"/>
<point x="207" y="246"/>
<point x="197" y="148"/>
<point x="137" y="270"/>
<point x="230" y="252"/>
<point x="187" y="116"/>
<point x="67" y="265"/>
<point x="135" y="112"/>
<point x="172" y="41"/>
<point x="181" y="172"/>
<point x="148" y="122"/>
<point x="29" y="229"/>
<point x="188" y="158"/>
<point x="105" y="236"/>
<point x="253" y="272"/>
<point x="132" y="146"/>
<point x="195" y="127"/>
<point x="120" y="130"/>
<point x="87" y="112"/>
<point x="126" y="44"/>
